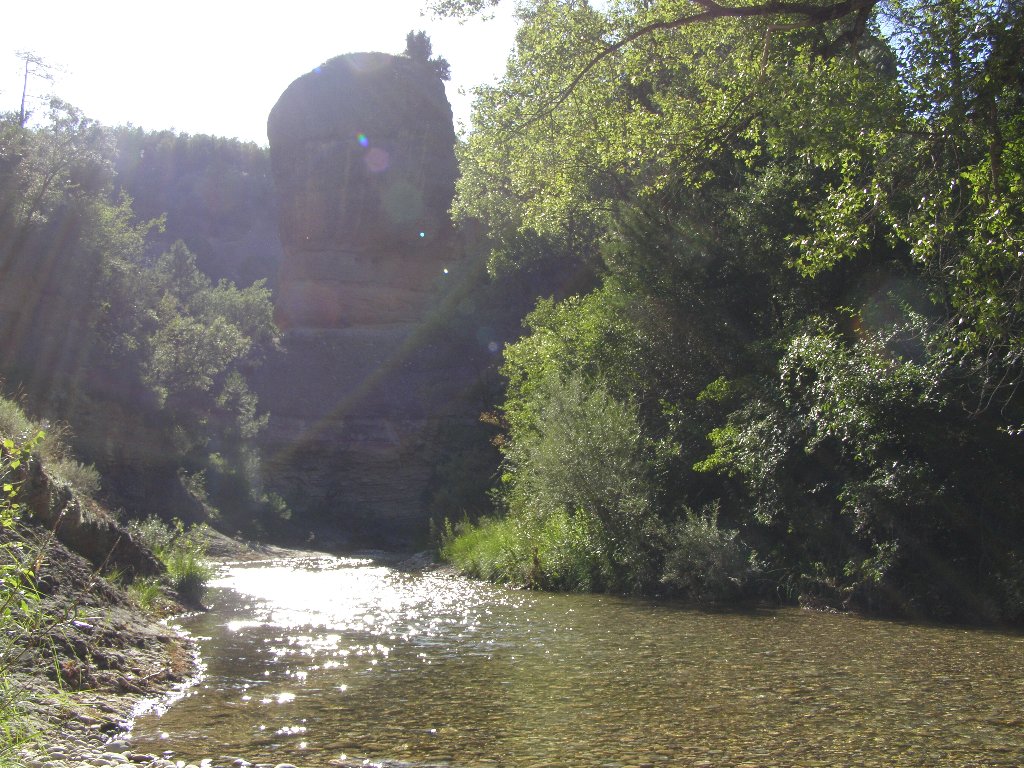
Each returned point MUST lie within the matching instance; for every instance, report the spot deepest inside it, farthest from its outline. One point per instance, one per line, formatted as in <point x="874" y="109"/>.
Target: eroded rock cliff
<point x="362" y="151"/>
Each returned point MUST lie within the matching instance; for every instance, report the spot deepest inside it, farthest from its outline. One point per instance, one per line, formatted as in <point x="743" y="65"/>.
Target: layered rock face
<point x="362" y="151"/>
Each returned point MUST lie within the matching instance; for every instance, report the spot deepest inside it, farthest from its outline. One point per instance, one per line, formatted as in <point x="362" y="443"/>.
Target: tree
<point x="418" y="48"/>
<point x="35" y="66"/>
<point x="584" y="460"/>
<point x="93" y="322"/>
<point x="42" y="172"/>
<point x="806" y="219"/>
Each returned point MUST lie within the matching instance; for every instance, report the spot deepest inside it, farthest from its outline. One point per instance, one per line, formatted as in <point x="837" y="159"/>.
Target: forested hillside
<point x="143" y="355"/>
<point x="215" y="194"/>
<point x="799" y="376"/>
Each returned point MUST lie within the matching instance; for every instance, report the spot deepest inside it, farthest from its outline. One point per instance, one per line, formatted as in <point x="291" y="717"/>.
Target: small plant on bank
<point x="14" y="424"/>
<point x="51" y="442"/>
<point x="147" y="593"/>
<point x="182" y="550"/>
<point x="84" y="478"/>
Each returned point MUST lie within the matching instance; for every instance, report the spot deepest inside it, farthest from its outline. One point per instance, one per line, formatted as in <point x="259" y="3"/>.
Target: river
<point x="317" y="660"/>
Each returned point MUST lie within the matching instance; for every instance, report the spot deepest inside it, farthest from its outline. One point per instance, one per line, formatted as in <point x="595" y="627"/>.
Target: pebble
<point x="80" y="743"/>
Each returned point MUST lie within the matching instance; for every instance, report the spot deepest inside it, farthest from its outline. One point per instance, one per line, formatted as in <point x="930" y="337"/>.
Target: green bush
<point x="182" y="550"/>
<point x="154" y="533"/>
<point x="579" y="490"/>
<point x="557" y="552"/>
<point x="488" y="549"/>
<point x="84" y="478"/>
<point x="52" y="444"/>
<point x="13" y="421"/>
<point x="566" y="554"/>
<point x="580" y="476"/>
<point x="705" y="563"/>
<point x="147" y="592"/>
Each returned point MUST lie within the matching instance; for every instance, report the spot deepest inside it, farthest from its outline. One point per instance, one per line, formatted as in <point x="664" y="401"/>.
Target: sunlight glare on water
<point x="314" y="659"/>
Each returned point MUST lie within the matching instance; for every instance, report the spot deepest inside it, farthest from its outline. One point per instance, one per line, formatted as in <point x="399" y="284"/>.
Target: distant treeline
<point x="215" y="194"/>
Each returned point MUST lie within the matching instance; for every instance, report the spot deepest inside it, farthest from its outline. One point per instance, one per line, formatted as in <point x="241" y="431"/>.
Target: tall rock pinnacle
<point x="369" y="375"/>
<point x="363" y="157"/>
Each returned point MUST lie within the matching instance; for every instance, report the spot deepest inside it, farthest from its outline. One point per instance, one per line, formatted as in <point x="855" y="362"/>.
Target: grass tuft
<point x="182" y="550"/>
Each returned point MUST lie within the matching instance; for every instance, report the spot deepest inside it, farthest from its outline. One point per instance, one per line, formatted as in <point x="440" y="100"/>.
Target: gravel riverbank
<point x="92" y="659"/>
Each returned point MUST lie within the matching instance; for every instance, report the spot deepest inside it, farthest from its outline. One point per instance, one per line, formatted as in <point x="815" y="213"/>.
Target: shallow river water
<point x="313" y="659"/>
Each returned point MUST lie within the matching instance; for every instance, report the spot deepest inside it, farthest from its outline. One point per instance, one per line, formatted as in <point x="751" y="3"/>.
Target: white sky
<point x="218" y="66"/>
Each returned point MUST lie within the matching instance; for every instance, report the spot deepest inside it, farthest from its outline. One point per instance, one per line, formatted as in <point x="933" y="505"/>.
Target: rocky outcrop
<point x="362" y="151"/>
<point x="81" y="527"/>
<point x="357" y="424"/>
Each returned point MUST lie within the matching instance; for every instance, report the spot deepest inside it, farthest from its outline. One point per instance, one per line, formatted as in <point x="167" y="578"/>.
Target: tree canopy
<point x="808" y="221"/>
<point x="419" y="49"/>
<point x="101" y="330"/>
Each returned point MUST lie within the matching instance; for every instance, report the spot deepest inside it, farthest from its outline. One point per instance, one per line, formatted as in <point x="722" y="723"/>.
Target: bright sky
<point x="218" y="66"/>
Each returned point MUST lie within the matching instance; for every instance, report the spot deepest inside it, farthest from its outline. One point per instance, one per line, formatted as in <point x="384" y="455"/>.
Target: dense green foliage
<point x="810" y="320"/>
<point x="19" y="615"/>
<point x="418" y="48"/>
<point x="182" y="551"/>
<point x="114" y="338"/>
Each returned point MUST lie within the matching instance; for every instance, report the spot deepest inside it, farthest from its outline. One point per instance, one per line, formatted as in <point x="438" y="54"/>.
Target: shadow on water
<point x="314" y="660"/>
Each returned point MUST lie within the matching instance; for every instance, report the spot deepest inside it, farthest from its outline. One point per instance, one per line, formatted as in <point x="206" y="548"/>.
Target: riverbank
<point x="88" y="660"/>
<point x="97" y="661"/>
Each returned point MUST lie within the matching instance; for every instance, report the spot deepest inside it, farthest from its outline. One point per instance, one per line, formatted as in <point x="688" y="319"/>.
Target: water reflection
<point x="315" y="659"/>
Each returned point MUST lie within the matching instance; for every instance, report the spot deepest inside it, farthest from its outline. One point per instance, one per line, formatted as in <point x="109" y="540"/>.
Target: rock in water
<point x="362" y="150"/>
<point x="363" y="156"/>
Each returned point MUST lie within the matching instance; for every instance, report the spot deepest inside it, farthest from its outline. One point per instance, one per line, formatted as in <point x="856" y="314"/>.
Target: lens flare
<point x="363" y="140"/>
<point x="377" y="160"/>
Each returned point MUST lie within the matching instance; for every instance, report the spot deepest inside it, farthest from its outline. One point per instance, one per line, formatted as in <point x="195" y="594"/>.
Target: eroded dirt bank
<point x="90" y="657"/>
